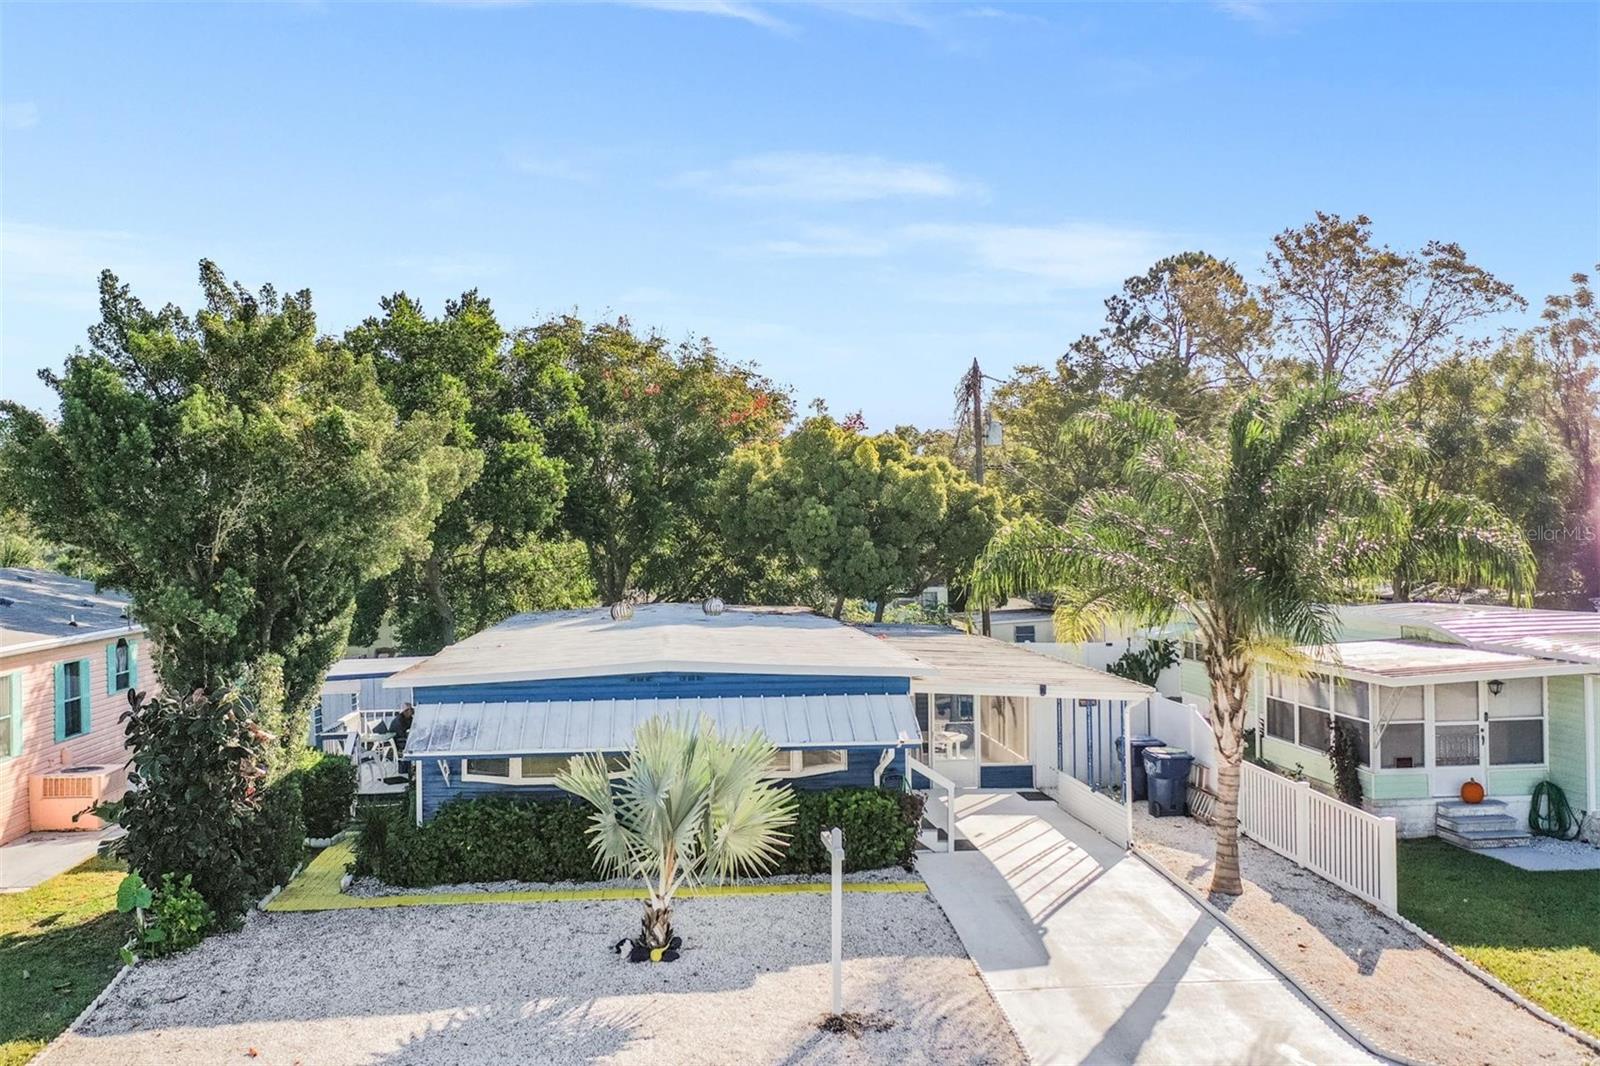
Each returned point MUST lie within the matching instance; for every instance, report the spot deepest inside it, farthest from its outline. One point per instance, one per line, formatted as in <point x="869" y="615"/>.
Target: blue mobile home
<point x="503" y="711"/>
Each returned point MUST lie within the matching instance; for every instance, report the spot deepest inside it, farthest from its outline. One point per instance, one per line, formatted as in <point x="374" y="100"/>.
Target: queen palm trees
<point x="689" y="804"/>
<point x="1253" y="533"/>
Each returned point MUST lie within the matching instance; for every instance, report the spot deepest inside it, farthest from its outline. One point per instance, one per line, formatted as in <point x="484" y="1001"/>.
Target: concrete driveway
<point x="1095" y="958"/>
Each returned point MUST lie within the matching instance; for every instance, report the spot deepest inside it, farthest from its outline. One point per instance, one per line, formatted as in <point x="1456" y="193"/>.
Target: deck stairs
<point x="1479" y="825"/>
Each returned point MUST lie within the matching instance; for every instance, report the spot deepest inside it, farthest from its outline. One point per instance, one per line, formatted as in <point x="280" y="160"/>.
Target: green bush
<point x="506" y="839"/>
<point x="328" y="792"/>
<point x="172" y="918"/>
<point x="880" y="829"/>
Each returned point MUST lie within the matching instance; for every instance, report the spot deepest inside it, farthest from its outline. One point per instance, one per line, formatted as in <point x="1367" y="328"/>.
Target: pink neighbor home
<point x="68" y="656"/>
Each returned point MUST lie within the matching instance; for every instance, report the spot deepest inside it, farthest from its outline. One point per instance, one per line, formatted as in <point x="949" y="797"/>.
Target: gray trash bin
<point x="1168" y="771"/>
<point x="1139" y="742"/>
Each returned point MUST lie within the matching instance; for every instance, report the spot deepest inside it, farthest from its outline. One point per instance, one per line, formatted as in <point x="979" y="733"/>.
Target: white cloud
<point x="729" y="9"/>
<point x="556" y="167"/>
<point x="59" y="266"/>
<point x="832" y="242"/>
<point x="827" y="177"/>
<point x="1072" y="254"/>
<point x="19" y="115"/>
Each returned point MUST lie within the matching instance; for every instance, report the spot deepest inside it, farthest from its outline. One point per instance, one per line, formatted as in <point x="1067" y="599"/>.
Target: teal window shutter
<point x="86" y="688"/>
<point x="111" y="669"/>
<point x="61" y="702"/>
<point x="15" y="681"/>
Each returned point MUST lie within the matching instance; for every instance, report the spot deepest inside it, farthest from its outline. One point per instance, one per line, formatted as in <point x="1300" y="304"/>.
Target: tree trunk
<point x="656" y="929"/>
<point x="1225" y="877"/>
<point x="838" y="607"/>
<point x="433" y="581"/>
<point x="877" y="608"/>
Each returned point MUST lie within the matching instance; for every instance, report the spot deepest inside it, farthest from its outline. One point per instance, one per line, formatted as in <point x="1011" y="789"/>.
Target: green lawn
<point x="1537" y="932"/>
<point x="58" y="949"/>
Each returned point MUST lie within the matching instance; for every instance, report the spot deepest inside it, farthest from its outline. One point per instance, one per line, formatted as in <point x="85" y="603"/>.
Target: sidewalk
<point x="36" y="858"/>
<point x="1096" y="959"/>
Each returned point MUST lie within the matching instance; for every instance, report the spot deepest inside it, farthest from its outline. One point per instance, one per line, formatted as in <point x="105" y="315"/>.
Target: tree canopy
<point x="239" y="478"/>
<point x="864" y="514"/>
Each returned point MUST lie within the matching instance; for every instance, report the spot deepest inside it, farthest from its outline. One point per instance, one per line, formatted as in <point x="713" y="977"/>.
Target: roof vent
<point x="713" y="606"/>
<point x="72" y="620"/>
<point x="621" y="611"/>
<point x="7" y="601"/>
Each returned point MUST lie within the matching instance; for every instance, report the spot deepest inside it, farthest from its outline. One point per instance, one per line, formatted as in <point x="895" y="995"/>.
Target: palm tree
<point x="689" y="805"/>
<point x="1254" y="535"/>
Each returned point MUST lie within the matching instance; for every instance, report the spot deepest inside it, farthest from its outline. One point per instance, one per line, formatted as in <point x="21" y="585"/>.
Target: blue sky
<point x="861" y="198"/>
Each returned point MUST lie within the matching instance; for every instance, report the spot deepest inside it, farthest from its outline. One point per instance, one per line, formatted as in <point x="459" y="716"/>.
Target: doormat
<point x="1035" y="794"/>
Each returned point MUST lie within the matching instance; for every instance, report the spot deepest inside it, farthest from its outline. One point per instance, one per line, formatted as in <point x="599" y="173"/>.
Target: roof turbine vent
<point x="713" y="606"/>
<point x="621" y="611"/>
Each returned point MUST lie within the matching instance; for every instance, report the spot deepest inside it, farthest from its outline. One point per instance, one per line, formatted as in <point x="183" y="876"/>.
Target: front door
<point x="1460" y="753"/>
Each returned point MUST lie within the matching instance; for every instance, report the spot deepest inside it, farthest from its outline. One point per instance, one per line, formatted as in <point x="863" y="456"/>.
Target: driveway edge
<point x="1344" y="1025"/>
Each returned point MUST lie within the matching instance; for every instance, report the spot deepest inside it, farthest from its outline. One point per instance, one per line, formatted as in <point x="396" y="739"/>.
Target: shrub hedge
<point x="328" y="792"/>
<point x="507" y="839"/>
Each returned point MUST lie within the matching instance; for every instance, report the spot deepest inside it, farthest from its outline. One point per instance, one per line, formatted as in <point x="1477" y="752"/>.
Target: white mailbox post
<point x="833" y="840"/>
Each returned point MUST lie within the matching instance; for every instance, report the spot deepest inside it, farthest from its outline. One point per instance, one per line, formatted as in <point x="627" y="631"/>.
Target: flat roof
<point x="1422" y="660"/>
<point x="372" y="667"/>
<point x="40" y="607"/>
<point x="659" y="637"/>
<point x="1573" y="636"/>
<point x="951" y="656"/>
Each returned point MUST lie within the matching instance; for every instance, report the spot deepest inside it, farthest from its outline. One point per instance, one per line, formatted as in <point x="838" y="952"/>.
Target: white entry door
<point x="1460" y="752"/>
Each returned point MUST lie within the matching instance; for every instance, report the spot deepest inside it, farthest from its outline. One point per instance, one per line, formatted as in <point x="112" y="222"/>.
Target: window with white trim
<point x="1192" y="651"/>
<point x="1022" y="634"/>
<point x="10" y="715"/>
<point x="1516" y="722"/>
<point x="1400" y="727"/>
<point x="122" y="666"/>
<point x="527" y="769"/>
<point x="1302" y="711"/>
<point x="807" y="762"/>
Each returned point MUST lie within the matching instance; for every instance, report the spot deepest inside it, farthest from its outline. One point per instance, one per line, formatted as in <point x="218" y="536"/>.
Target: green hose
<point x="1550" y="815"/>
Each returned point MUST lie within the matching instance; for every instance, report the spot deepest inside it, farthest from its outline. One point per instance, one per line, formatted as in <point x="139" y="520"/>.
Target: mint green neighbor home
<point x="1443" y="694"/>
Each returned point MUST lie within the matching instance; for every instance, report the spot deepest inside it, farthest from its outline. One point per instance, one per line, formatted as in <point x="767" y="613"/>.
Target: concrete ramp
<point x="1095" y="958"/>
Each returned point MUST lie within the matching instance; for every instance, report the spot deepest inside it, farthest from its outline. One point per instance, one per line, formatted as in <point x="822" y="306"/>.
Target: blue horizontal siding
<point x="435" y="793"/>
<point x="661" y="686"/>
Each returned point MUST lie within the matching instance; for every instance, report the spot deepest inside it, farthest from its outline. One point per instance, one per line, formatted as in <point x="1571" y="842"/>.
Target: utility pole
<point x="971" y="391"/>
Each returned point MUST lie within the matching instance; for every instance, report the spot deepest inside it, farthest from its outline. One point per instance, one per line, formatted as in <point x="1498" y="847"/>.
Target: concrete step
<point x="1478" y="843"/>
<point x="1457" y="809"/>
<point x="1490" y="821"/>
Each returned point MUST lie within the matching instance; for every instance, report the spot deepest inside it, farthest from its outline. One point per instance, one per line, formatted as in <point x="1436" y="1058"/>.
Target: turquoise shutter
<point x="61" y="702"/>
<point x="133" y="664"/>
<point x="87" y="702"/>
<point x="15" y="681"/>
<point x="111" y="669"/>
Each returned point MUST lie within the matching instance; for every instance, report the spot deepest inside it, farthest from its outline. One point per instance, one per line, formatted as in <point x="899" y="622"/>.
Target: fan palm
<point x="690" y="805"/>
<point x="1253" y="535"/>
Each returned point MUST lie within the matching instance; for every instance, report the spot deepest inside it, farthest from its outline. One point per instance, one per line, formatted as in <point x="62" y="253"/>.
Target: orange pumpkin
<point x="1472" y="792"/>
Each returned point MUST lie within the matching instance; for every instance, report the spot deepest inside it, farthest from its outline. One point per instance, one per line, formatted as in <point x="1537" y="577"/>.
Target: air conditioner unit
<point x="54" y="797"/>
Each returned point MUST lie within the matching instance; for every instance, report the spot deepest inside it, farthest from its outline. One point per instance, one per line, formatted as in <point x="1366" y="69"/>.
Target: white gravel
<point x="537" y="983"/>
<point x="1401" y="993"/>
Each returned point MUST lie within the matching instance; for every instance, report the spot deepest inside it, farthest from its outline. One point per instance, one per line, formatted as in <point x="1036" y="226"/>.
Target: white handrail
<point x="915" y="765"/>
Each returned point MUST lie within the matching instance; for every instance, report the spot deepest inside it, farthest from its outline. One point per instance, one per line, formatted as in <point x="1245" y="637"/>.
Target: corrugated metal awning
<point x="558" y="727"/>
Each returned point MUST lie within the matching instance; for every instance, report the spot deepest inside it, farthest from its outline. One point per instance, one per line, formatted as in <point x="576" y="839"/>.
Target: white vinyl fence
<point x="1353" y="849"/>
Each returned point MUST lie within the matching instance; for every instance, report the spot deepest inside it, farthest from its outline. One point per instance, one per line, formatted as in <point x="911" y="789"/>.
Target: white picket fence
<point x="1353" y="849"/>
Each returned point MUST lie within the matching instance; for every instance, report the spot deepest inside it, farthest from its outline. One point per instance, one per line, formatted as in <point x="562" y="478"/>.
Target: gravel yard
<point x="537" y="983"/>
<point x="1405" y="996"/>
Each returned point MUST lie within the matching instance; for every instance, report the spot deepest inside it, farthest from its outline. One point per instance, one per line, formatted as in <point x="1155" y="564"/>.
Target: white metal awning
<point x="558" y="727"/>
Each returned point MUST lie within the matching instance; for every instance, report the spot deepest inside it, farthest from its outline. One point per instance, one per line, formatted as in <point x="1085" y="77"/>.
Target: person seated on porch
<point x="400" y="728"/>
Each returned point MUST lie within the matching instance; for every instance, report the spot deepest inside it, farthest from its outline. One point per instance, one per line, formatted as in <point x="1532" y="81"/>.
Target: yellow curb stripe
<point x="317" y="889"/>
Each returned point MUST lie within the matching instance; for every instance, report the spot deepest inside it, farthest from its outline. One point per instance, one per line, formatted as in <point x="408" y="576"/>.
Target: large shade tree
<point x="662" y="420"/>
<point x="862" y="513"/>
<point x="496" y="549"/>
<point x="238" y="477"/>
<point x="1253" y="533"/>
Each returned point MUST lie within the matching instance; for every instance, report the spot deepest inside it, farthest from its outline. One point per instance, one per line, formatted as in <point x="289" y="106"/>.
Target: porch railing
<point x="1344" y="844"/>
<point x="917" y="766"/>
